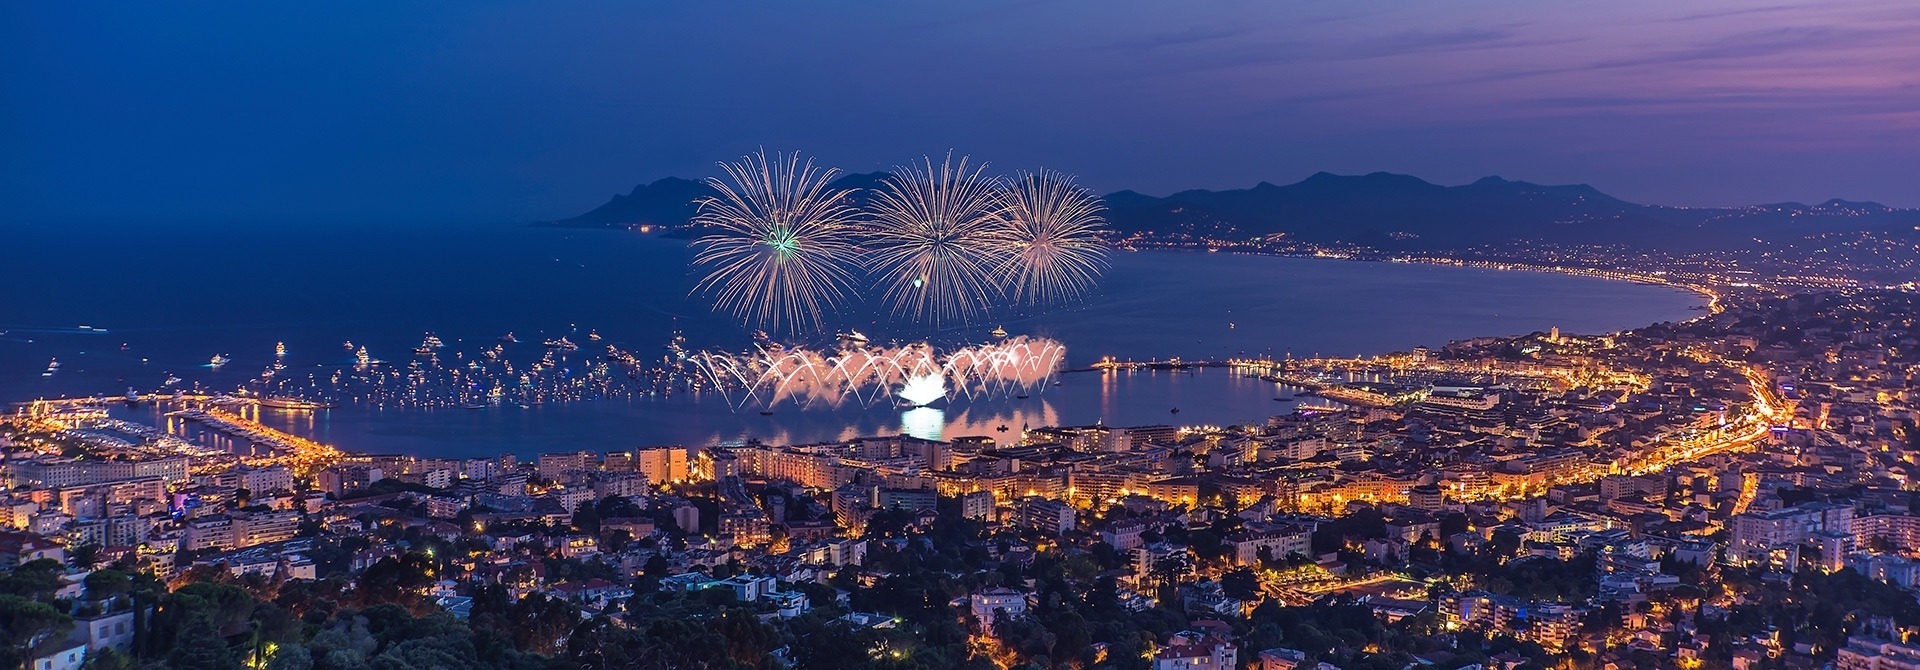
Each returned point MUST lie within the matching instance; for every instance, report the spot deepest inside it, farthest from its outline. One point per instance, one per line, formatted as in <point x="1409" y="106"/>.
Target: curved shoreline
<point x="1713" y="296"/>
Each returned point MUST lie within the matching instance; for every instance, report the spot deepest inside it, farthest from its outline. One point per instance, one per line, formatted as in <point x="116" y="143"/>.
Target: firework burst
<point x="935" y="237"/>
<point x="783" y="244"/>
<point x="1054" y="227"/>
<point x="916" y="373"/>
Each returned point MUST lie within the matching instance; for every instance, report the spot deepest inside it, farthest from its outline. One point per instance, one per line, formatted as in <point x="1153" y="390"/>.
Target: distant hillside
<point x="673" y="201"/>
<point x="1388" y="211"/>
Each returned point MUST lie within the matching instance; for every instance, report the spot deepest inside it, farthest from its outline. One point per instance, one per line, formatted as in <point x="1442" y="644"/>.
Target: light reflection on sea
<point x="161" y="304"/>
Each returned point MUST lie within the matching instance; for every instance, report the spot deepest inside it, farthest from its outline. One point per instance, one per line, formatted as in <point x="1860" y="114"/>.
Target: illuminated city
<point x="353" y="377"/>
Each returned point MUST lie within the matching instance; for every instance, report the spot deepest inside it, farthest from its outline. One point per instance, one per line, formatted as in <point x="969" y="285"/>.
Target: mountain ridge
<point x="1382" y="210"/>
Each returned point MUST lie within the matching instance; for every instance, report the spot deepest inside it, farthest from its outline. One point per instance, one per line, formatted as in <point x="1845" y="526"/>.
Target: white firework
<point x="783" y="250"/>
<point x="935" y="237"/>
<point x="916" y="373"/>
<point x="1054" y="227"/>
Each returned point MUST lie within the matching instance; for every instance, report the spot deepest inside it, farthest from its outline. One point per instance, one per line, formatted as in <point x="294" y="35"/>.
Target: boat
<point x="766" y="412"/>
<point x="1176" y="410"/>
<point x="562" y="343"/>
<point x="853" y="337"/>
<point x="509" y="338"/>
<point x="219" y="360"/>
<point x="361" y="356"/>
<point x="999" y="331"/>
<point x="593" y="335"/>
<point x="1002" y="428"/>
<point x="347" y="345"/>
<point x="428" y="345"/>
<point x="133" y="397"/>
<point x="171" y="380"/>
<point x="1022" y="396"/>
<point x="280" y="349"/>
<point x="276" y="402"/>
<point x="474" y="405"/>
<point x="53" y="365"/>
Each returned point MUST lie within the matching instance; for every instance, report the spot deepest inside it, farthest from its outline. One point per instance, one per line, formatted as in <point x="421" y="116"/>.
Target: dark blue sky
<point x="388" y="112"/>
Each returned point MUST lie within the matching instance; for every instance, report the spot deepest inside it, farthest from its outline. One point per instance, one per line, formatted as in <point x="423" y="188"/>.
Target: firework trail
<point x="1055" y="228"/>
<point x="783" y="244"/>
<point x="916" y="373"/>
<point x="935" y="237"/>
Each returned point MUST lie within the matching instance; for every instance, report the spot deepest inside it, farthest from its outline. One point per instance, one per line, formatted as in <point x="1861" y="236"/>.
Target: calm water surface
<point x="170" y="299"/>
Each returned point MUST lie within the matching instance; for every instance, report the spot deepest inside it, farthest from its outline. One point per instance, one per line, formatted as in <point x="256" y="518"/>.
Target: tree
<point x="104" y="584"/>
<point x="34" y="580"/>
<point x="586" y="518"/>
<point x="109" y="658"/>
<point x="402" y="580"/>
<point x="86" y="555"/>
<point x="200" y="645"/>
<point x="1241" y="584"/>
<point x="25" y="624"/>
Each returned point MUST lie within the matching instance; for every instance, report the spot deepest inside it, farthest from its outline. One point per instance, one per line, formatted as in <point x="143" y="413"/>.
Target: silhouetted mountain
<point x="667" y="202"/>
<point x="1392" y="211"/>
<point x="673" y="201"/>
<point x="1387" y="211"/>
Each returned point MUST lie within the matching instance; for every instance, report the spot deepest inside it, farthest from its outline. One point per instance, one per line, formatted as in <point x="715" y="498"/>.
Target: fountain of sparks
<point x="916" y="375"/>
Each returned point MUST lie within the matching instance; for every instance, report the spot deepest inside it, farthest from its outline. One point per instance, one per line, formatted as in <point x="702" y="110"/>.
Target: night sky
<point x="473" y="111"/>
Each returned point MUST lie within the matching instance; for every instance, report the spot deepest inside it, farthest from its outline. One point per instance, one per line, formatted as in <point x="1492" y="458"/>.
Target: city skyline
<point x="322" y="346"/>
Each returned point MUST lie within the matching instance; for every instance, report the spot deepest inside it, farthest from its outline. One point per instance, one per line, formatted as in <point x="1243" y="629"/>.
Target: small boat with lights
<point x="294" y="404"/>
<point x="429" y="345"/>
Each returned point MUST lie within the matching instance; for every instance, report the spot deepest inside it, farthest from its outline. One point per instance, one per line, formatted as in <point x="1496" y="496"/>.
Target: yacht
<point x="290" y="403"/>
<point x="562" y="343"/>
<point x="593" y="335"/>
<point x="854" y="337"/>
<point x="428" y="345"/>
<point x="219" y="360"/>
<point x="280" y="349"/>
<point x="53" y="365"/>
<point x="171" y="380"/>
<point x="509" y="338"/>
<point x="999" y="331"/>
<point x="361" y="356"/>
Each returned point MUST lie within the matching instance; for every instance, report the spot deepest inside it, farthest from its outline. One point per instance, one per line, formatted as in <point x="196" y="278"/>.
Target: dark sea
<point x="128" y="308"/>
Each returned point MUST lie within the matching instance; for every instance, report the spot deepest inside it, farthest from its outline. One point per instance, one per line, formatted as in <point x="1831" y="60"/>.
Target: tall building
<point x="1044" y="515"/>
<point x="1774" y="536"/>
<point x="662" y="465"/>
<point x="1865" y="653"/>
<point x="977" y="505"/>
